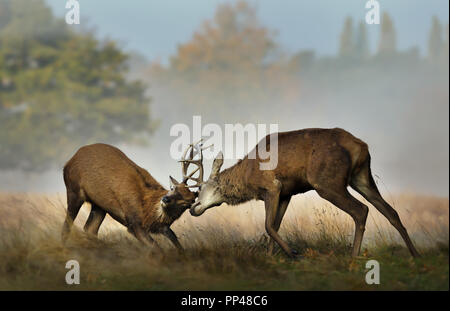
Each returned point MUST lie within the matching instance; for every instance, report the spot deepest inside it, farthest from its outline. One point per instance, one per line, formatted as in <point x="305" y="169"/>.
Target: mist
<point x="396" y="101"/>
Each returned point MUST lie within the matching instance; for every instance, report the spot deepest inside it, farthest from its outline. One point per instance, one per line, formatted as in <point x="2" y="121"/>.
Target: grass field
<point x="225" y="249"/>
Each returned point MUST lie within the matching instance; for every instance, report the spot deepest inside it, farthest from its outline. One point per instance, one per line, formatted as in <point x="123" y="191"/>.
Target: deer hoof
<point x="295" y="254"/>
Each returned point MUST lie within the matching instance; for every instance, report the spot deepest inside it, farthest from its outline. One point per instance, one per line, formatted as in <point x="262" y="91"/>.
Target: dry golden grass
<point x="224" y="249"/>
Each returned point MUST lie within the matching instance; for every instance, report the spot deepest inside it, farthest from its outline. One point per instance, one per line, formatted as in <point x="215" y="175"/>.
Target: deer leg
<point x="282" y="207"/>
<point x="145" y="237"/>
<point x="271" y="202"/>
<point x="364" y="184"/>
<point x="358" y="211"/>
<point x="172" y="237"/>
<point x="74" y="203"/>
<point x="329" y="174"/>
<point x="94" y="220"/>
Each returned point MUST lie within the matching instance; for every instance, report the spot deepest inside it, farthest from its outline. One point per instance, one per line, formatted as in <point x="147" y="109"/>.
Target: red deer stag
<point x="324" y="160"/>
<point x="105" y="177"/>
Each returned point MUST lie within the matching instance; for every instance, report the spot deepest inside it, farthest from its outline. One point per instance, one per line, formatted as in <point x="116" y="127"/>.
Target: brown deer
<point x="324" y="160"/>
<point x="105" y="177"/>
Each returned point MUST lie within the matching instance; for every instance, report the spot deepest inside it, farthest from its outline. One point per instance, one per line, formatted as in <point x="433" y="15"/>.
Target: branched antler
<point x="193" y="150"/>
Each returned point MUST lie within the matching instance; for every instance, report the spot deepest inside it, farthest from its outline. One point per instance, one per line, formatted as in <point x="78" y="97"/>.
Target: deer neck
<point x="160" y="214"/>
<point x="232" y="184"/>
<point x="174" y="212"/>
<point x="152" y="209"/>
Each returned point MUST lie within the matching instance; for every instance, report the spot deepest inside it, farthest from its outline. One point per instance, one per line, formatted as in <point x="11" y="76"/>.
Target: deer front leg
<point x="278" y="218"/>
<point x="271" y="202"/>
<point x="144" y="237"/>
<point x="172" y="237"/>
<point x="135" y="227"/>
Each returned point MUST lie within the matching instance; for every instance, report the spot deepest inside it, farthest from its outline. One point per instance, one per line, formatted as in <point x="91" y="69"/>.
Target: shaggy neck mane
<point x="232" y="184"/>
<point x="156" y="217"/>
<point x="152" y="209"/>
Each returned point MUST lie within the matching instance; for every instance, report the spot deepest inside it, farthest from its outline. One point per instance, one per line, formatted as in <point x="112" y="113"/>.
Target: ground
<point x="225" y="249"/>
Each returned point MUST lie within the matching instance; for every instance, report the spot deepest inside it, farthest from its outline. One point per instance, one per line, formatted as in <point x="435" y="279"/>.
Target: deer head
<point x="179" y="193"/>
<point x="210" y="194"/>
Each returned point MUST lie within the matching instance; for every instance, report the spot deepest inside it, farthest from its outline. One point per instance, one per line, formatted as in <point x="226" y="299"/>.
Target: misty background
<point x="298" y="64"/>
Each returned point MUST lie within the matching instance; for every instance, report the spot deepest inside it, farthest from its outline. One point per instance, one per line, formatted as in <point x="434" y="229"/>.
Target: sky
<point x="403" y="161"/>
<point x="155" y="28"/>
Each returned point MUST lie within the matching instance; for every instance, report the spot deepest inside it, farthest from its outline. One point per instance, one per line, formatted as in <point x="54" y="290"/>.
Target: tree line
<point x="61" y="88"/>
<point x="354" y="43"/>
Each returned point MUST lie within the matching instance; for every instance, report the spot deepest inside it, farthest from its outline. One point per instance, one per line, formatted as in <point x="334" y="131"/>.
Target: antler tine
<point x="195" y="148"/>
<point x="204" y="148"/>
<point x="192" y="173"/>
<point x="198" y="142"/>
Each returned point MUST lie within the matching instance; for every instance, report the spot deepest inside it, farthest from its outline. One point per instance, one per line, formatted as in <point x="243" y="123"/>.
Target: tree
<point x="346" y="42"/>
<point x="435" y="41"/>
<point x="362" y="44"/>
<point x="60" y="90"/>
<point x="445" y="55"/>
<point x="232" y="40"/>
<point x="388" y="39"/>
<point x="231" y="62"/>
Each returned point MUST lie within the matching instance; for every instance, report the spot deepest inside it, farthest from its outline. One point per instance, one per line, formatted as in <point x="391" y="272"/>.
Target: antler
<point x="194" y="150"/>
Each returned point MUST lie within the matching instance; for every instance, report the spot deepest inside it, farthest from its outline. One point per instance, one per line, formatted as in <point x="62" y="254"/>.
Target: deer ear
<point x="217" y="164"/>
<point x="173" y="182"/>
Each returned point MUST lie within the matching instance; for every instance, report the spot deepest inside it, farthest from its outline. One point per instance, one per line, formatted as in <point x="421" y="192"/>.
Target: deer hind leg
<point x="282" y="206"/>
<point x="364" y="184"/>
<point x="94" y="220"/>
<point x="74" y="203"/>
<point x="358" y="211"/>
<point x="329" y="174"/>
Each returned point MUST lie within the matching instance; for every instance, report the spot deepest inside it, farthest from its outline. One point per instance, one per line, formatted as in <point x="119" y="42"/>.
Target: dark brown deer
<point x="105" y="177"/>
<point x="325" y="160"/>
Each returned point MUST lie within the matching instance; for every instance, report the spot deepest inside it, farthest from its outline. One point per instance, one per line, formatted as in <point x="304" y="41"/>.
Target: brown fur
<point x="297" y="154"/>
<point x="104" y="176"/>
<point x="325" y="160"/>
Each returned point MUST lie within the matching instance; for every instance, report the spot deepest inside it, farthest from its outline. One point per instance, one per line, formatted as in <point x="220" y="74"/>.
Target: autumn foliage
<point x="232" y="62"/>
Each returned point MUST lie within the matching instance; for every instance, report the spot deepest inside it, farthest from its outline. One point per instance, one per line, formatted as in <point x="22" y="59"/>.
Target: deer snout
<point x="192" y="209"/>
<point x="165" y="199"/>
